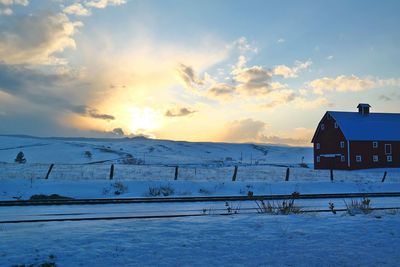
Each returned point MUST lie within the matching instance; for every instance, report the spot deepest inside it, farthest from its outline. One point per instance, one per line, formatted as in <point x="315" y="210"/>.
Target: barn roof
<point x="371" y="127"/>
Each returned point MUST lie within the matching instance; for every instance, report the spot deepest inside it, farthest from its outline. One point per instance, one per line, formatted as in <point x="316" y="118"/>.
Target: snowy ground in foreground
<point x="250" y="240"/>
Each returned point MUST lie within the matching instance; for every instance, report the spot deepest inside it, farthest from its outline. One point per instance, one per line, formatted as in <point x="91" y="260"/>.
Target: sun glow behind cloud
<point x="145" y="120"/>
<point x="70" y="65"/>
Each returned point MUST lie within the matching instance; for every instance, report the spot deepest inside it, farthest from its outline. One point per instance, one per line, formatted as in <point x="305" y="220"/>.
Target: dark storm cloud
<point x="40" y="88"/>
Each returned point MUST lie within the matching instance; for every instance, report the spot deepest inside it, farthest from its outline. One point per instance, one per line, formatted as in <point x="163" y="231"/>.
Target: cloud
<point x="6" y="11"/>
<point x="253" y="81"/>
<point x="179" y="112"/>
<point x="329" y="57"/>
<point x="287" y="72"/>
<point x="243" y="45"/>
<point x="249" y="130"/>
<point x="351" y="83"/>
<point x="118" y="131"/>
<point x="38" y="88"/>
<point x="84" y="8"/>
<point x="281" y="40"/>
<point x="104" y="3"/>
<point x="246" y="130"/>
<point x="14" y="2"/>
<point x="221" y="90"/>
<point x="35" y="38"/>
<point x="77" y="9"/>
<point x="188" y="76"/>
<point x="298" y="136"/>
<point x="385" y="98"/>
<point x="93" y="113"/>
<point x="278" y="98"/>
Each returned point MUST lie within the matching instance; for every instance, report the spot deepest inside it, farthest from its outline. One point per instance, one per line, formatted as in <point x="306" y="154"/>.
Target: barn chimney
<point x="363" y="109"/>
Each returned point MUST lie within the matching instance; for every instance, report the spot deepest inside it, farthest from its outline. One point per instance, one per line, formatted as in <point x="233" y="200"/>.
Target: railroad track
<point x="98" y="201"/>
<point x="169" y="216"/>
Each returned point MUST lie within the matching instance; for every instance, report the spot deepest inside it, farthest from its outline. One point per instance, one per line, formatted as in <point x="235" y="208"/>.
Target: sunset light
<point x="199" y="133"/>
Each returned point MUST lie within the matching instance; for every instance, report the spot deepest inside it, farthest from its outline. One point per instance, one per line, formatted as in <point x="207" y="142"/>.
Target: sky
<point x="218" y="70"/>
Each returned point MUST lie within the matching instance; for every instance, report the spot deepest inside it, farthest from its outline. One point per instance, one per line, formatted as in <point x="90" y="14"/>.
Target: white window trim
<point x="318" y="146"/>
<point x="388" y="145"/>
<point x="318" y="159"/>
<point x="342" y="159"/>
<point x="341" y="144"/>
<point x="358" y="158"/>
<point x="375" y="144"/>
<point x="389" y="158"/>
<point x="336" y="125"/>
<point x="375" y="158"/>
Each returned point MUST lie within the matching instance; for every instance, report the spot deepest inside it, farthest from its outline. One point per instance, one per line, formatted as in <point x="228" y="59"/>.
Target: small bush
<point x="232" y="209"/>
<point x="88" y="154"/>
<point x="332" y="207"/>
<point x="204" y="191"/>
<point x="20" y="158"/>
<point x="167" y="190"/>
<point x="116" y="188"/>
<point x="154" y="191"/>
<point x="130" y="160"/>
<point x="285" y="208"/>
<point x="119" y="188"/>
<point x="162" y="190"/>
<point x="358" y="206"/>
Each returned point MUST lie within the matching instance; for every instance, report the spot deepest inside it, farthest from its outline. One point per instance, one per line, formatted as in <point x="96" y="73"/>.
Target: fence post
<point x="384" y="176"/>
<point x="234" y="174"/>
<point x="112" y="172"/>
<point x="49" y="171"/>
<point x="287" y="174"/>
<point x="176" y="173"/>
<point x="331" y="175"/>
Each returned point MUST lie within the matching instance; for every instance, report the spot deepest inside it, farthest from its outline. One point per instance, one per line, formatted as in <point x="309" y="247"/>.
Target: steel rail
<point x="97" y="201"/>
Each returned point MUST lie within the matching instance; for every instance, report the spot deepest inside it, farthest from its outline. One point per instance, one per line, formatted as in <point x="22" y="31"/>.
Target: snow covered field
<point x="240" y="240"/>
<point x="148" y="151"/>
<point x="205" y="169"/>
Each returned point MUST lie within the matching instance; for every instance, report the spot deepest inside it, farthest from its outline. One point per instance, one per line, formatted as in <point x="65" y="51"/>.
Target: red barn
<point x="357" y="140"/>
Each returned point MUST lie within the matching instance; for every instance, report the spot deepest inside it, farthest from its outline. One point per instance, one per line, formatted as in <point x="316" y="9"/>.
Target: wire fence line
<point x="268" y="173"/>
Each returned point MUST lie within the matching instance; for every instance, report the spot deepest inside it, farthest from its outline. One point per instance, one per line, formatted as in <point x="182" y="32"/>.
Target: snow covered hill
<point x="148" y="151"/>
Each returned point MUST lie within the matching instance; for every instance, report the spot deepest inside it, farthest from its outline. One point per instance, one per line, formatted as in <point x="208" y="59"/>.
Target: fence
<point x="190" y="173"/>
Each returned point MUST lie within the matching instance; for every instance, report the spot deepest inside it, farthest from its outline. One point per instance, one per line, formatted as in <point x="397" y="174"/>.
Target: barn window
<point x="389" y="158"/>
<point x="358" y="158"/>
<point x="375" y="144"/>
<point x="342" y="159"/>
<point x="318" y="146"/>
<point x="388" y="149"/>
<point x="341" y="144"/>
<point x="318" y="159"/>
<point x="336" y="126"/>
<point x="322" y="126"/>
<point x="375" y="158"/>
